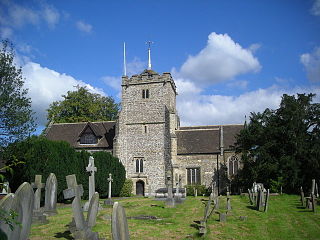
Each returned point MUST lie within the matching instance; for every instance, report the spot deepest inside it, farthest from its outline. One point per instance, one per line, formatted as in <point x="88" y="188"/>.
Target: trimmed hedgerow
<point x="42" y="156"/>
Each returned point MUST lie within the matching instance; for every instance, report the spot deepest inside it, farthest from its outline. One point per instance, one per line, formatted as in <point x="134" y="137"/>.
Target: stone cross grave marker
<point x="75" y="191"/>
<point x="38" y="216"/>
<point x="50" y="207"/>
<point x="119" y="223"/>
<point x="228" y="202"/>
<point x="79" y="227"/>
<point x="92" y="189"/>
<point x="22" y="202"/>
<point x="110" y="180"/>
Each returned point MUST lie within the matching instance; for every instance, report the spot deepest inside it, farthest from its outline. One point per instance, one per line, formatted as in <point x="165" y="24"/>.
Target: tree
<point x="282" y="147"/>
<point x="83" y="106"/>
<point x="16" y="121"/>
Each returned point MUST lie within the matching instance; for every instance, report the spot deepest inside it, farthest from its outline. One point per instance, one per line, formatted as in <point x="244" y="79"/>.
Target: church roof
<point x="71" y="132"/>
<point x="205" y="139"/>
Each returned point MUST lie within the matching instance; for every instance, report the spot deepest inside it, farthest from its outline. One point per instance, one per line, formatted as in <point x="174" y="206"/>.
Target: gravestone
<point x="250" y="196"/>
<point x="38" y="215"/>
<point x="22" y="202"/>
<point x="195" y="192"/>
<point x="260" y="206"/>
<point x="170" y="200"/>
<point x="50" y="206"/>
<point x="177" y="197"/>
<point x="222" y="217"/>
<point x="302" y="199"/>
<point x="93" y="210"/>
<point x="78" y="227"/>
<point x="109" y="201"/>
<point x="120" y="229"/>
<point x="228" y="203"/>
<point x="313" y="203"/>
<point x="5" y="205"/>
<point x="266" y="201"/>
<point x="316" y="191"/>
<point x="91" y="169"/>
<point x="313" y="186"/>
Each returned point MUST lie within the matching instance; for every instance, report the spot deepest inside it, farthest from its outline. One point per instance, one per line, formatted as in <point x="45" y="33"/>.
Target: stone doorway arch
<point x="140" y="188"/>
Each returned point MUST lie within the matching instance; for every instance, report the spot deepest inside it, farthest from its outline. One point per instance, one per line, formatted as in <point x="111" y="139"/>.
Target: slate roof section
<point x="71" y="132"/>
<point x="205" y="139"/>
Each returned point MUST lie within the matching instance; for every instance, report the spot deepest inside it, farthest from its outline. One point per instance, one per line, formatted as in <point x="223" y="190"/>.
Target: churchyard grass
<point x="285" y="219"/>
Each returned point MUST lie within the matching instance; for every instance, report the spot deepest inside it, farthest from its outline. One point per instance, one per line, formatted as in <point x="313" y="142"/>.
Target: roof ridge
<point x="84" y="122"/>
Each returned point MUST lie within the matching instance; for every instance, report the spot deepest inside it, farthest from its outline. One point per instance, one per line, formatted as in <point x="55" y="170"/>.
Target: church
<point x="149" y="141"/>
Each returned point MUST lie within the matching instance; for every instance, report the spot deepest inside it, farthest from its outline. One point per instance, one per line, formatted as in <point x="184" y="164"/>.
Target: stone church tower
<point x="145" y="131"/>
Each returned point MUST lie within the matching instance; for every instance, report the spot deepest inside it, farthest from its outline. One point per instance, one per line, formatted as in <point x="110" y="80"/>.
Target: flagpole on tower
<point x="149" y="54"/>
<point x="124" y="60"/>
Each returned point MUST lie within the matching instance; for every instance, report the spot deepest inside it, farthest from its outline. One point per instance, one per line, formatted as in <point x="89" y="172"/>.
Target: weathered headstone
<point x="222" y="217"/>
<point x="38" y="215"/>
<point x="93" y="210"/>
<point x="195" y="192"/>
<point x="316" y="191"/>
<point x="250" y="196"/>
<point x="313" y="186"/>
<point x="5" y="205"/>
<point x="91" y="169"/>
<point x="120" y="229"/>
<point x="50" y="206"/>
<point x="170" y="200"/>
<point x="22" y="202"/>
<point x="78" y="227"/>
<point x="266" y="201"/>
<point x="109" y="201"/>
<point x="313" y="202"/>
<point x="302" y="199"/>
<point x="177" y="196"/>
<point x="228" y="203"/>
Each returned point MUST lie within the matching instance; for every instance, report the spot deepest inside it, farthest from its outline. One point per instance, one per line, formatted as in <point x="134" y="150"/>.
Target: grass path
<point x="284" y="220"/>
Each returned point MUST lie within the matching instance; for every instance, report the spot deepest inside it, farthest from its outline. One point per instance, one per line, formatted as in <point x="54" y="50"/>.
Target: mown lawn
<point x="285" y="219"/>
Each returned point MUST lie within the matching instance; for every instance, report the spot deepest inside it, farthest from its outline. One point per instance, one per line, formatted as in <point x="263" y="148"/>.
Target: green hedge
<point x="42" y="156"/>
<point x="201" y="189"/>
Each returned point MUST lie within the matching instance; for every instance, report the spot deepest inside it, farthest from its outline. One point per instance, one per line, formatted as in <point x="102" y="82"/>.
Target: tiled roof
<point x="205" y="139"/>
<point x="70" y="132"/>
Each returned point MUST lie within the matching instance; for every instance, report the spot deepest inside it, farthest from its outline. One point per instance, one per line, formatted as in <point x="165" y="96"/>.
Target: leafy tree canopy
<point x="16" y="121"/>
<point x="82" y="106"/>
<point x="282" y="147"/>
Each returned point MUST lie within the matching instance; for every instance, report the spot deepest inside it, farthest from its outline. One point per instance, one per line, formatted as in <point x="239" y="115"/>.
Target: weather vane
<point x="149" y="54"/>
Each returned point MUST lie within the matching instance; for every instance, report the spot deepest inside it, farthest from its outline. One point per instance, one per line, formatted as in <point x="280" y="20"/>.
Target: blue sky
<point x="228" y="58"/>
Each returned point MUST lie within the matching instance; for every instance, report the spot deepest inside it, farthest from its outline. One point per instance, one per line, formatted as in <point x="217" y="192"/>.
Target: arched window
<point x="233" y="165"/>
<point x="139" y="165"/>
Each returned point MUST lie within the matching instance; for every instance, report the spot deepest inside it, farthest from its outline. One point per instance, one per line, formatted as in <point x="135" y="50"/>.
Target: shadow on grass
<point x="252" y="207"/>
<point x="196" y="226"/>
<point x="65" y="234"/>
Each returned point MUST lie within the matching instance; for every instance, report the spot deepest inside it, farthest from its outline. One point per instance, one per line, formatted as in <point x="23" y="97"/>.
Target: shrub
<point x="126" y="190"/>
<point x="42" y="157"/>
<point x="201" y="189"/>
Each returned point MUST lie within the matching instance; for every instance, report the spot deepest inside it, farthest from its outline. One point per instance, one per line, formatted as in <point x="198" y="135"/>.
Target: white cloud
<point x="218" y="109"/>
<point x="311" y="62"/>
<point x="17" y="15"/>
<point x="222" y="59"/>
<point x="51" y="15"/>
<point x="46" y="85"/>
<point x="84" y="27"/>
<point x="315" y="10"/>
<point x="238" y="84"/>
<point x="135" y="66"/>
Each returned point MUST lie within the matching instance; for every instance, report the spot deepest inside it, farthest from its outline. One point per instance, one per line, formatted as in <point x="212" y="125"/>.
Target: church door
<point x="140" y="188"/>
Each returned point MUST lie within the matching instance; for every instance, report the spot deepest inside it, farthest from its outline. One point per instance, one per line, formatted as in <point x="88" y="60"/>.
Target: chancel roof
<point x="206" y="139"/>
<point x="71" y="132"/>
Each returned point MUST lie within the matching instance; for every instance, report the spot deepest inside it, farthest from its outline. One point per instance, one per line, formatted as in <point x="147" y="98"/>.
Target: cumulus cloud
<point x="218" y="109"/>
<point x="46" y="85"/>
<point x="84" y="27"/>
<point x="222" y="59"/>
<point x="311" y="62"/>
<point x="14" y="15"/>
<point x="238" y="84"/>
<point x="315" y="10"/>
